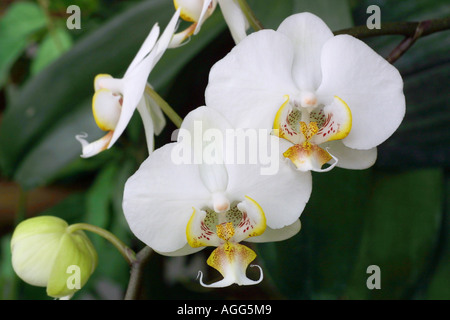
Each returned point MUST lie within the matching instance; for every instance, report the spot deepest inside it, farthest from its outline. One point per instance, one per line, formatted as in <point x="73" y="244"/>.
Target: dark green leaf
<point x="19" y="22"/>
<point x="318" y="262"/>
<point x="400" y="232"/>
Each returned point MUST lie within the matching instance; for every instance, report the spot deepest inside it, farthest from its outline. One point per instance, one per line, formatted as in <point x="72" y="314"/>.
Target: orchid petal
<point x="207" y="9"/>
<point x="249" y="84"/>
<point x="351" y="158"/>
<point x="286" y="124"/>
<point x="309" y="157"/>
<point x="308" y="34"/>
<point x="235" y="19"/>
<point x="231" y="260"/>
<point x="158" y="200"/>
<point x="250" y="220"/>
<point x="201" y="229"/>
<point x="184" y="251"/>
<point x="99" y="77"/>
<point x="136" y="79"/>
<point x="165" y="38"/>
<point x="145" y="48"/>
<point x="106" y="109"/>
<point x="93" y="148"/>
<point x="334" y="121"/>
<point x="156" y="114"/>
<point x="148" y="124"/>
<point x="371" y="87"/>
<point x="290" y="187"/>
<point x="272" y="235"/>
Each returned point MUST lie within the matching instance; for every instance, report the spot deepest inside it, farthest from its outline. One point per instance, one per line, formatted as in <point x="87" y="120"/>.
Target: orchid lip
<point x="308" y="128"/>
<point x="225" y="230"/>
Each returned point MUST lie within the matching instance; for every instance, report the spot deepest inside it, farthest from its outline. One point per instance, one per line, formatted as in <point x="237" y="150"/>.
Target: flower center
<point x="225" y="231"/>
<point x="307" y="124"/>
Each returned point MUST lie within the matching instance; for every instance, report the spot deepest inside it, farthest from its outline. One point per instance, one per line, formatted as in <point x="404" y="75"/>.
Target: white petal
<point x="159" y="121"/>
<point x="159" y="199"/>
<point x="136" y="79"/>
<point x="351" y="158"/>
<point x="93" y="148"/>
<point x="163" y="42"/>
<point x="148" y="124"/>
<point x="204" y="129"/>
<point x="371" y="87"/>
<point x="308" y="34"/>
<point x="184" y="251"/>
<point x="235" y="19"/>
<point x="249" y="84"/>
<point x="146" y="47"/>
<point x="282" y="194"/>
<point x="272" y="235"/>
<point x="106" y="109"/>
<point x="205" y="13"/>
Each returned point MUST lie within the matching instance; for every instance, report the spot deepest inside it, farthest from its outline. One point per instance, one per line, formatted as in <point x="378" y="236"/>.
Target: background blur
<point x="394" y="215"/>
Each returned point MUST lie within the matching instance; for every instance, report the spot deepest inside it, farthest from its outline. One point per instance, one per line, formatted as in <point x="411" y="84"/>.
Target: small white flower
<point x="115" y="100"/>
<point x="332" y="98"/>
<point x="178" y="209"/>
<point x="197" y="11"/>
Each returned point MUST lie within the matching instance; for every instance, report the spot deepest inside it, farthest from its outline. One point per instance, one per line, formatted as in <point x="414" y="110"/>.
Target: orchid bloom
<point x="331" y="98"/>
<point x="115" y="100"/>
<point x="179" y="209"/>
<point x="197" y="11"/>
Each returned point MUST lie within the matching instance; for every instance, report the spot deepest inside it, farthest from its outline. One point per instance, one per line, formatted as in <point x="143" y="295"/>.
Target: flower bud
<point x="46" y="253"/>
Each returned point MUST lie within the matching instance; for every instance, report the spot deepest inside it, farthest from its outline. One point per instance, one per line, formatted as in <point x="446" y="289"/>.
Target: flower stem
<point x="250" y="15"/>
<point x="407" y="29"/>
<point x="165" y="107"/>
<point x="124" y="250"/>
<point x="137" y="271"/>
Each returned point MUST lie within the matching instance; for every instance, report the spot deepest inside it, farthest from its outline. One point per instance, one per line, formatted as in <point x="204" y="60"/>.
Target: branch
<point x="137" y="271"/>
<point x="407" y="29"/>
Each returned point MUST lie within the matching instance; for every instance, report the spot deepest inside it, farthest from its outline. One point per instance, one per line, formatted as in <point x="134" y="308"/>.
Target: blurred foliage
<point x="394" y="215"/>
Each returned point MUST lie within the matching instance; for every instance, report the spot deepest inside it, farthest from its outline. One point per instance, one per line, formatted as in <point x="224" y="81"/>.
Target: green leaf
<point x="400" y="232"/>
<point x="99" y="197"/>
<point x="52" y="47"/>
<point x="335" y="13"/>
<point x="318" y="262"/>
<point x="56" y="150"/>
<point x="19" y="22"/>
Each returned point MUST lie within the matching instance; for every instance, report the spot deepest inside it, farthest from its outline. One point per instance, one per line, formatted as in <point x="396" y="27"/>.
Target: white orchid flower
<point x="332" y="98"/>
<point x="115" y="100"/>
<point x="197" y="11"/>
<point x="178" y="209"/>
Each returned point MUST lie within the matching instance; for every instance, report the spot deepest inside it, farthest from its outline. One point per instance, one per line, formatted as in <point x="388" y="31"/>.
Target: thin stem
<point x="124" y="250"/>
<point x="407" y="29"/>
<point x="165" y="107"/>
<point x="250" y="15"/>
<point x="137" y="271"/>
<point x="407" y="42"/>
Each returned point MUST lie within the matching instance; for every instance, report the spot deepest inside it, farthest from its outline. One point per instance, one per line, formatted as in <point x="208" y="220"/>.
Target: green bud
<point x="46" y="253"/>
